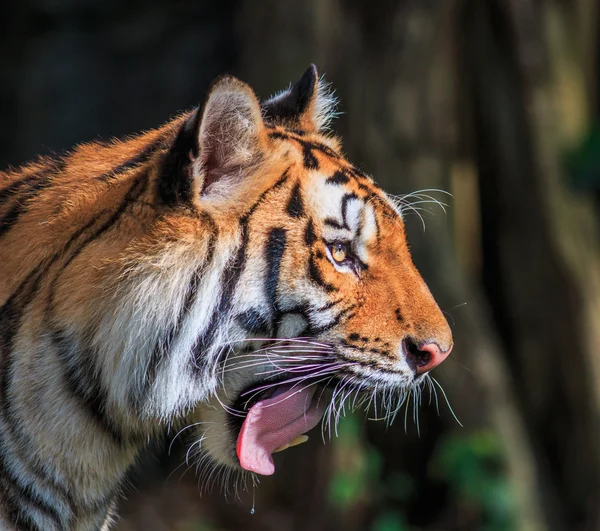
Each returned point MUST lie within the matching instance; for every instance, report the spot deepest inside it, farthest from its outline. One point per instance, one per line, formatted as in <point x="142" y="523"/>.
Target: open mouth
<point x="275" y="420"/>
<point x="298" y="384"/>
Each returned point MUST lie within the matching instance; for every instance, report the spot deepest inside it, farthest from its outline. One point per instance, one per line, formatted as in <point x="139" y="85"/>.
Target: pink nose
<point x="424" y="357"/>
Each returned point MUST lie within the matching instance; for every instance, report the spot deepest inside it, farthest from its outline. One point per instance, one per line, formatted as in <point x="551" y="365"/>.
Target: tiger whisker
<point x="293" y="370"/>
<point x="303" y="340"/>
<point x="287" y="364"/>
<point x="297" y="380"/>
<point x="420" y="192"/>
<point x="181" y="431"/>
<point x="447" y="401"/>
<point x="277" y="356"/>
<point x="280" y="348"/>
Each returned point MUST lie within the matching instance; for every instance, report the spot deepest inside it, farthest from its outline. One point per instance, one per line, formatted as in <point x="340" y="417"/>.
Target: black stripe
<point x="383" y="204"/>
<point x="346" y="312"/>
<point x="309" y="234"/>
<point x="26" y="493"/>
<point x="10" y="315"/>
<point x="335" y="223"/>
<point x="78" y="377"/>
<point x="377" y="226"/>
<point x="274" y="254"/>
<point x="399" y="316"/>
<point x="174" y="185"/>
<point x="135" y="191"/>
<point x="339" y="177"/>
<point x="229" y="280"/>
<point x="310" y="161"/>
<point x="312" y="313"/>
<point x="365" y="188"/>
<point x="161" y="349"/>
<point x="359" y="229"/>
<point x="345" y="200"/>
<point x="253" y="322"/>
<point x="280" y="182"/>
<point x="139" y="158"/>
<point x="308" y="147"/>
<point x="327" y="306"/>
<point x="308" y="312"/>
<point x="295" y="131"/>
<point x="359" y="173"/>
<point x="279" y="135"/>
<point x="363" y="181"/>
<point x="14" y="513"/>
<point x="94" y="405"/>
<point x="100" y="505"/>
<point x="332" y="222"/>
<point x="10" y="191"/>
<point x="295" y="206"/>
<point x="28" y="191"/>
<point x="318" y="146"/>
<point x="84" y="384"/>
<point x="315" y="275"/>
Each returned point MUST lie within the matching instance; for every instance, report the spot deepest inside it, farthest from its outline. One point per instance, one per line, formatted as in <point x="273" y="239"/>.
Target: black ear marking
<point x="290" y="105"/>
<point x="176" y="179"/>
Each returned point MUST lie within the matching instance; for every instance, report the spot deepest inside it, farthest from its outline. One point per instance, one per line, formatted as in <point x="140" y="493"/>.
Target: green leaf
<point x="390" y="521"/>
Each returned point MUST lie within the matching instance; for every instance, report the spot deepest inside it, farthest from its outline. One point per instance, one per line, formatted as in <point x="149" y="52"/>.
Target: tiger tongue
<point x="275" y="422"/>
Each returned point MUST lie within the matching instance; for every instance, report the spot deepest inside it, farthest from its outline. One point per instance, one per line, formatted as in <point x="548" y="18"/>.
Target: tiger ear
<point x="214" y="144"/>
<point x="307" y="105"/>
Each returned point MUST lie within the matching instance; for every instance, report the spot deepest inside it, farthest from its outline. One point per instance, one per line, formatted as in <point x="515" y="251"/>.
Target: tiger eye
<point x="339" y="252"/>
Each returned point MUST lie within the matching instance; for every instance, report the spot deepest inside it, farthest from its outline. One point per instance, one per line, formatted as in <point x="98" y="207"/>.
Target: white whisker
<point x="447" y="401"/>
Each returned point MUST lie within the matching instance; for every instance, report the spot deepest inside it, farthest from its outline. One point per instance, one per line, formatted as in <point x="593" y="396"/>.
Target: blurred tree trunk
<point x="541" y="254"/>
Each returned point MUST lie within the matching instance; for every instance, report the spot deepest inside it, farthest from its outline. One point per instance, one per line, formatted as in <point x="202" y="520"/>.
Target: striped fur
<point x="133" y="271"/>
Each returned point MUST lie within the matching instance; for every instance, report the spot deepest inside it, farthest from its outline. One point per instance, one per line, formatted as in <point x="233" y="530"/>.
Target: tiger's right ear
<point x="214" y="145"/>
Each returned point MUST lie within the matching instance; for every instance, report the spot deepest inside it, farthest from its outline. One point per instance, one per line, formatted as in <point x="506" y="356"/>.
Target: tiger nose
<point x="424" y="357"/>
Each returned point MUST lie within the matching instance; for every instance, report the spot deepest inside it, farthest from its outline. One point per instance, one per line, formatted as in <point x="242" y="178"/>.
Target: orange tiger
<point x="230" y="270"/>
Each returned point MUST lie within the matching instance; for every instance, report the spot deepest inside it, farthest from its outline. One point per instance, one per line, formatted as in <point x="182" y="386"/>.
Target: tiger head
<point x="314" y="286"/>
<point x="230" y="270"/>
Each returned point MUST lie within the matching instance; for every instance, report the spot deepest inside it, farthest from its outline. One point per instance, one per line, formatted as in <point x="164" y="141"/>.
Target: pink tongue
<point x="275" y="422"/>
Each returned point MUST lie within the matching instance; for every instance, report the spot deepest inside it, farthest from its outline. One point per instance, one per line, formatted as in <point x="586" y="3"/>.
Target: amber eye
<point x="339" y="252"/>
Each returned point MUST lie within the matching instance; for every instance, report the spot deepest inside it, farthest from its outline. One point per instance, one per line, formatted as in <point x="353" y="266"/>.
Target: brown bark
<point x="541" y="257"/>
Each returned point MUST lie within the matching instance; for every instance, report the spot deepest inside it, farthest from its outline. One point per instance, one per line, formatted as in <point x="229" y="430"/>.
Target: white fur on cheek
<point x="291" y="325"/>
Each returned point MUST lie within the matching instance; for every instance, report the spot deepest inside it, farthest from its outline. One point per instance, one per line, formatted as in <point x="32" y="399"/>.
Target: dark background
<point x="495" y="101"/>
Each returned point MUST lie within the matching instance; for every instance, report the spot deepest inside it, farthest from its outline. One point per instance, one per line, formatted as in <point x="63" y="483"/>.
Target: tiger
<point x="229" y="272"/>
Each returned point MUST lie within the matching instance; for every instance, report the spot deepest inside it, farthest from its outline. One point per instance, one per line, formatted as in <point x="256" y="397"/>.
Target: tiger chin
<point x="230" y="273"/>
